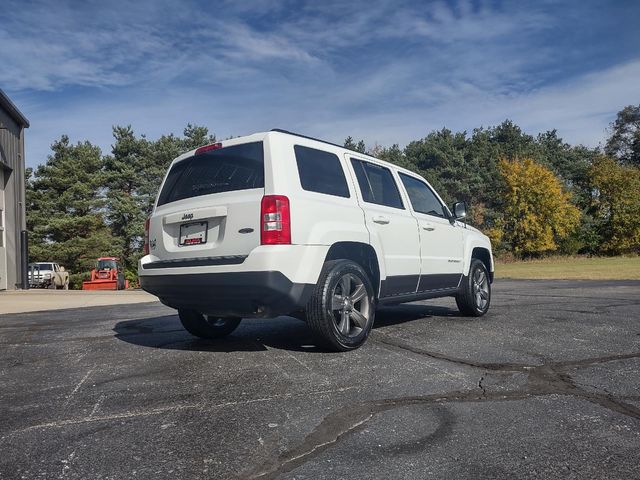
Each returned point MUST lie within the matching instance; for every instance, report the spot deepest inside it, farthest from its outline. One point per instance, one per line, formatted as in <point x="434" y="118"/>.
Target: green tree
<point x="358" y="147"/>
<point x="393" y="154"/>
<point x="65" y="208"/>
<point x="624" y="142"/>
<point x="617" y="202"/>
<point x="440" y="158"/>
<point x="126" y="171"/>
<point x="196" y="136"/>
<point x="134" y="172"/>
<point x="571" y="164"/>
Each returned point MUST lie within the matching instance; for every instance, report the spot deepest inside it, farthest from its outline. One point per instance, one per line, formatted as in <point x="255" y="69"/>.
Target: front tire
<point x="474" y="297"/>
<point x="205" y="326"/>
<point x="341" y="310"/>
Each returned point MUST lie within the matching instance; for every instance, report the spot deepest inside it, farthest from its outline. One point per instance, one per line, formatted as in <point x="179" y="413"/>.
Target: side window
<point x="377" y="184"/>
<point x="422" y="197"/>
<point x="321" y="172"/>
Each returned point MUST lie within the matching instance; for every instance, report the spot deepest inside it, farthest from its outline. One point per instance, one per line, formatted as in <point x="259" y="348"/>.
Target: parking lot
<point x="547" y="385"/>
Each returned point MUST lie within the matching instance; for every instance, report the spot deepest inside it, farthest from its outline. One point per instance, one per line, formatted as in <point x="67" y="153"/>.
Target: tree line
<point x="532" y="195"/>
<point x="82" y="204"/>
<point x="536" y="195"/>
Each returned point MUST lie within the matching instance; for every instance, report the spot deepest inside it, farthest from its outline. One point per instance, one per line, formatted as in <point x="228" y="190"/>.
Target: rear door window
<point x="238" y="167"/>
<point x="321" y="172"/>
<point x="377" y="184"/>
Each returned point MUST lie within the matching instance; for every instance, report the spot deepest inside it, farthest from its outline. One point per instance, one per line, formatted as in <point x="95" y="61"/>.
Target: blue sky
<point x="385" y="71"/>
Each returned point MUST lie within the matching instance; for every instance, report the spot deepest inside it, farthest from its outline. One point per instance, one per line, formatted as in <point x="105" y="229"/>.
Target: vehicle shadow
<point x="283" y="333"/>
<point x="408" y="312"/>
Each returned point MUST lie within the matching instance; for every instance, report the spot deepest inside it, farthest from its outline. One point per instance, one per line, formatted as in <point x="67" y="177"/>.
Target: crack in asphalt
<point x="550" y="378"/>
<point x="481" y="387"/>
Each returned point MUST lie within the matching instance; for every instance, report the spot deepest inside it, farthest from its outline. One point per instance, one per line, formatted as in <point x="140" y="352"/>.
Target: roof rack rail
<point x="280" y="130"/>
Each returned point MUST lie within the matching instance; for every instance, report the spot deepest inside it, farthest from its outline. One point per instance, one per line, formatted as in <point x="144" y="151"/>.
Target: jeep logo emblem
<point x="187" y="216"/>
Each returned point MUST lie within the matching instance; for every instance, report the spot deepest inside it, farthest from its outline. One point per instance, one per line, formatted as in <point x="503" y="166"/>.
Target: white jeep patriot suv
<point x="277" y="223"/>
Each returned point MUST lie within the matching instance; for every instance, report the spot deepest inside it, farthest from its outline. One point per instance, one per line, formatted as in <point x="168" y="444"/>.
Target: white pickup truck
<point x="48" y="275"/>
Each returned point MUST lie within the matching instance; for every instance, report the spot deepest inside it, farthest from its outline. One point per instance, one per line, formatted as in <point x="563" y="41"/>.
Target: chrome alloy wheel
<point x="480" y="287"/>
<point x="350" y="305"/>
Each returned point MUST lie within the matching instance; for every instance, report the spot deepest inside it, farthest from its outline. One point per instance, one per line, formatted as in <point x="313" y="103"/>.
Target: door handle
<point x="381" y="220"/>
<point x="428" y="227"/>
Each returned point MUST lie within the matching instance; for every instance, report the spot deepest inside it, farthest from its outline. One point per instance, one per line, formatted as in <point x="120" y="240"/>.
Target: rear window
<point x="239" y="167"/>
<point x="42" y="266"/>
<point x="321" y="172"/>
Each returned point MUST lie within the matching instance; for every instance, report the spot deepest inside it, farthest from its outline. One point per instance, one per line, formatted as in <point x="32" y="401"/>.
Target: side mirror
<point x="459" y="210"/>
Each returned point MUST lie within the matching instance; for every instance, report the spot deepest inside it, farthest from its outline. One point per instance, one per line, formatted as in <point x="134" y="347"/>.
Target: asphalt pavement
<point x="546" y="385"/>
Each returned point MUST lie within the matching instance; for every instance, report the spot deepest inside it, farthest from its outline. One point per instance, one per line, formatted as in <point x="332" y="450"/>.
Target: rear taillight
<point x="146" y="236"/>
<point x="275" y="220"/>
<point x="206" y="148"/>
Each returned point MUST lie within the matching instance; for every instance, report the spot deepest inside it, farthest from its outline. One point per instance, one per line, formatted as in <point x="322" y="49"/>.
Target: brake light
<point x="146" y="236"/>
<point x="275" y="220"/>
<point x="207" y="148"/>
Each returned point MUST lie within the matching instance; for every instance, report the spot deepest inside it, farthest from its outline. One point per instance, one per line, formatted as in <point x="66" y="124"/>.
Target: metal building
<point x="12" y="196"/>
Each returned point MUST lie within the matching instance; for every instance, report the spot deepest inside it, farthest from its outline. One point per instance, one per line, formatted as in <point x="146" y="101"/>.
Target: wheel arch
<point x="361" y="253"/>
<point x="484" y="255"/>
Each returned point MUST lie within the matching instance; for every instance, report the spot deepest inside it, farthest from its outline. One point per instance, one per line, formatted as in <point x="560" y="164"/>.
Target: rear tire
<point x="205" y="326"/>
<point x="474" y="297"/>
<point x="341" y="310"/>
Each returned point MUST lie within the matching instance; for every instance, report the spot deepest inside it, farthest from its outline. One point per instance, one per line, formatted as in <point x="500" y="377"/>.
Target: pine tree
<point x="350" y="143"/>
<point x="125" y="171"/>
<point x="65" y="208"/>
<point x="133" y="175"/>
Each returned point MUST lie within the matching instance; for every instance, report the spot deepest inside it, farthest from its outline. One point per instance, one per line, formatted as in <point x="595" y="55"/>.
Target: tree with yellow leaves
<point x="537" y="212"/>
<point x="617" y="204"/>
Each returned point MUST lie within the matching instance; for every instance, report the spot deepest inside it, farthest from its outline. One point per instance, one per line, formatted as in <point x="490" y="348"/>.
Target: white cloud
<point x="236" y="40"/>
<point x="386" y="71"/>
<point x="580" y="110"/>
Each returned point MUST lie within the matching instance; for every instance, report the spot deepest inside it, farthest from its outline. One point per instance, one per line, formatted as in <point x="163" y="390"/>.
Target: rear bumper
<point x="298" y="263"/>
<point x="238" y="294"/>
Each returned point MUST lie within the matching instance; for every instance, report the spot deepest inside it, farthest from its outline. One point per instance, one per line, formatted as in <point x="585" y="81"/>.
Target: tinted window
<point x="239" y="167"/>
<point x="321" y="172"/>
<point x="42" y="266"/>
<point x="422" y="197"/>
<point x="377" y="184"/>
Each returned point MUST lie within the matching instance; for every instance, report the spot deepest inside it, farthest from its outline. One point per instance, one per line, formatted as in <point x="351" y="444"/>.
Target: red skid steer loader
<point x="107" y="275"/>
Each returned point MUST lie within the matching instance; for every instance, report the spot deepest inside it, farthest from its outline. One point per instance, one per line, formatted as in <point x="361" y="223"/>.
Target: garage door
<point x="3" y="237"/>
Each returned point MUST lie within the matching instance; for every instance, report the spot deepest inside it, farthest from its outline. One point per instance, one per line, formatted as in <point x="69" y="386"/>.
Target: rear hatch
<point x="209" y="206"/>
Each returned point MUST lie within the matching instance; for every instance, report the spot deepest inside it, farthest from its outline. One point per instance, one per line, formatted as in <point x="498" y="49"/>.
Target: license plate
<point x="193" y="233"/>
